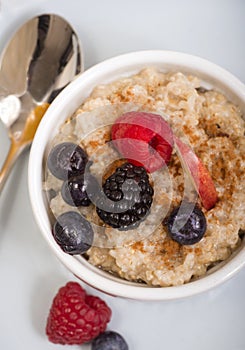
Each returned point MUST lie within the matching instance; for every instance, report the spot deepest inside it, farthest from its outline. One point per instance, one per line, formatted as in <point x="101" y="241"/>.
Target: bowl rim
<point x="119" y="65"/>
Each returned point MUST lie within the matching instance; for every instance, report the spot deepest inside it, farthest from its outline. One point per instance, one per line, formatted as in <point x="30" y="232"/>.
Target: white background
<point x="30" y="275"/>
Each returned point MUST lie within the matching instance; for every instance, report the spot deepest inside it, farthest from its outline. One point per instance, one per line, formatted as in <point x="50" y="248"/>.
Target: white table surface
<point x="30" y="275"/>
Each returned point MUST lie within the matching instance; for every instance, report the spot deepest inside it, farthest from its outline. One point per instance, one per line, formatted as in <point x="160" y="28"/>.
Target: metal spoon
<point x="42" y="57"/>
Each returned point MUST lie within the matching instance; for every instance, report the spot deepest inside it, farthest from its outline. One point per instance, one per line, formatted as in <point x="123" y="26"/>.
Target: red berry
<point x="75" y="317"/>
<point x="145" y="139"/>
<point x="198" y="174"/>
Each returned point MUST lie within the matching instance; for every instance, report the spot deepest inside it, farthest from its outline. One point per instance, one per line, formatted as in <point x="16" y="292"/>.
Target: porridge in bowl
<point x="185" y="166"/>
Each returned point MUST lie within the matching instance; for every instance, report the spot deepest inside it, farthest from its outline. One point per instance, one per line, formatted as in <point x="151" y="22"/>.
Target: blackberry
<point x="186" y="225"/>
<point x="127" y="197"/>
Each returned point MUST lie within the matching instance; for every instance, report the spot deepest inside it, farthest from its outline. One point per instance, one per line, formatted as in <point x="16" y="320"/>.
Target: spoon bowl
<point x="42" y="57"/>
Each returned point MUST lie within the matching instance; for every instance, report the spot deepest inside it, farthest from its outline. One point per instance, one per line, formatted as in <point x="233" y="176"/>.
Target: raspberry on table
<point x="76" y="317"/>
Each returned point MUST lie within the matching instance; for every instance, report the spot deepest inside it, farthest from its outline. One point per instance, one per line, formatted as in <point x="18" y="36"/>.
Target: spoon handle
<point x="18" y="145"/>
<point x="14" y="152"/>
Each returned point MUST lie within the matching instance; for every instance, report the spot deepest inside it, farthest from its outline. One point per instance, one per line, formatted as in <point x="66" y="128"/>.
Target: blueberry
<point x="78" y="191"/>
<point x="67" y="160"/>
<point x="187" y="224"/>
<point x="109" y="340"/>
<point x="73" y="233"/>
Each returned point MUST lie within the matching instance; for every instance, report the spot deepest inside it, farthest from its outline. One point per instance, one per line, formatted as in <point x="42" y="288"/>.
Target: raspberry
<point x="145" y="139"/>
<point x="75" y="317"/>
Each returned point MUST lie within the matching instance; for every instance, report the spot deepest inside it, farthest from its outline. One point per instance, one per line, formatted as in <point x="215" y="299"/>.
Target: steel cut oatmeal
<point x="213" y="128"/>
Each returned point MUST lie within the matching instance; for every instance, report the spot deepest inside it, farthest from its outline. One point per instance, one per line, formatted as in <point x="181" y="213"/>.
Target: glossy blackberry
<point x="109" y="340"/>
<point x="78" y="191"/>
<point x="187" y="224"/>
<point x="73" y="233"/>
<point x="67" y="160"/>
<point x="127" y="197"/>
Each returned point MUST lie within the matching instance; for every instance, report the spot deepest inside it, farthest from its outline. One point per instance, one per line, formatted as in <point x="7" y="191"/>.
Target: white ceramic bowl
<point x="65" y="104"/>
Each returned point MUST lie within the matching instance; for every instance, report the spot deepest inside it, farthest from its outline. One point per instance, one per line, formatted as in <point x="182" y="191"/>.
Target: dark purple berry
<point x="67" y="160"/>
<point x="109" y="340"/>
<point x="187" y="224"/>
<point x="73" y="233"/>
<point x="127" y="197"/>
<point x="78" y="191"/>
